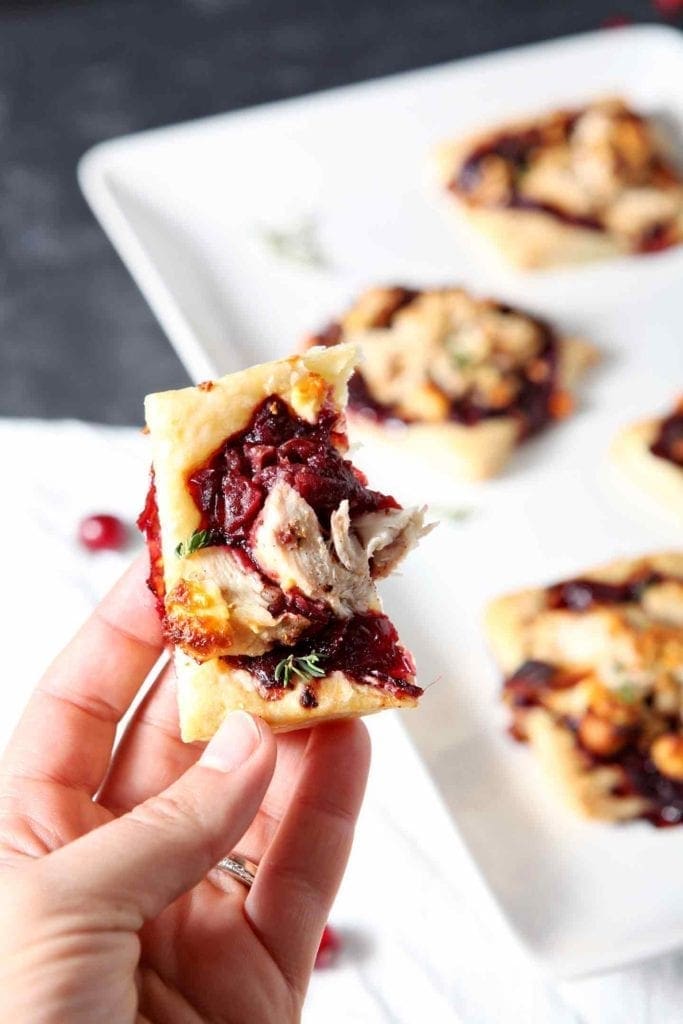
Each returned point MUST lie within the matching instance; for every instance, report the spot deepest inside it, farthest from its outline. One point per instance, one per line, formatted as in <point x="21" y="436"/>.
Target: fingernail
<point x="233" y="744"/>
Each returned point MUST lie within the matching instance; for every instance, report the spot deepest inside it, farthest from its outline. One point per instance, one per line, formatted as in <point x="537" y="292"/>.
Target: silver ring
<point x="239" y="867"/>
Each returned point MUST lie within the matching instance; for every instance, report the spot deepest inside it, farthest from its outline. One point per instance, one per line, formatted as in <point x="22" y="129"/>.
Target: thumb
<point x="144" y="860"/>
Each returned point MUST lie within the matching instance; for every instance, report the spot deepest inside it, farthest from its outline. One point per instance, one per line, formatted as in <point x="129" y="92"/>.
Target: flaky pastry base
<point x="662" y="479"/>
<point x="208" y="692"/>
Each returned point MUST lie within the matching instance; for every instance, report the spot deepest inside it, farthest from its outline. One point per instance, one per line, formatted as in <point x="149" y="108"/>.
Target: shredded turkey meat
<point x="290" y="548"/>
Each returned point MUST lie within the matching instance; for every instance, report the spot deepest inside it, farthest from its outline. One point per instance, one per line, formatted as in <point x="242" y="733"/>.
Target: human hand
<point x="109" y="907"/>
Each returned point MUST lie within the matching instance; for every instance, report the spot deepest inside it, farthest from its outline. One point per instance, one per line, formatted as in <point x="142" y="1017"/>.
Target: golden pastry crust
<point x="210" y="691"/>
<point x="662" y="479"/>
<point x="424" y="352"/>
<point x="596" y="182"/>
<point x="466" y="453"/>
<point x="603" y="679"/>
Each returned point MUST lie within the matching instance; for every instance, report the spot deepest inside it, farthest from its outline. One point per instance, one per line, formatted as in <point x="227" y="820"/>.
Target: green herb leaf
<point x="298" y="244"/>
<point x="199" y="539"/>
<point x="305" y="667"/>
<point x="460" y="360"/>
<point x="454" y="515"/>
<point x="627" y="693"/>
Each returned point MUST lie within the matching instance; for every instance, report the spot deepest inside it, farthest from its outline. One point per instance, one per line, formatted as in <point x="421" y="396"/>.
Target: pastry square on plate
<point x="594" y="682"/>
<point x="456" y="380"/>
<point x="568" y="186"/>
<point x="265" y="546"/>
<point x="651" y="453"/>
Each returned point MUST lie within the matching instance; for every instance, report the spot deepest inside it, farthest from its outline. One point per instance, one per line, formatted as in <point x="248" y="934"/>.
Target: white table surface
<point x="418" y="945"/>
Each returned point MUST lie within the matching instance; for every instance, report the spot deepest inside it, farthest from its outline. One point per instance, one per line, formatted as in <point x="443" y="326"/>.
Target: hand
<point x="109" y="908"/>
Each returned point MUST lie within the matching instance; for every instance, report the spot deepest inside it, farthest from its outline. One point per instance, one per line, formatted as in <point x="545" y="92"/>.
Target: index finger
<point x="66" y="733"/>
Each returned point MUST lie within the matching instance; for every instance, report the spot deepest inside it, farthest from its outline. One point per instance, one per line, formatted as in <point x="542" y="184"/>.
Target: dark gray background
<point x="76" y="336"/>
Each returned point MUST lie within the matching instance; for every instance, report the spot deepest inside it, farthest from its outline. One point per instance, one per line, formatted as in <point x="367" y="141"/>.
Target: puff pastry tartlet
<point x="456" y="380"/>
<point x="651" y="454"/>
<point x="265" y="547"/>
<point x="569" y="186"/>
<point x="594" y="682"/>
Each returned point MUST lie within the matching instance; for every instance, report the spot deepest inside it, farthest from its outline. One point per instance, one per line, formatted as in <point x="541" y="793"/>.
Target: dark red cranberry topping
<point x="580" y="594"/>
<point x="515" y="148"/>
<point x="669" y="441"/>
<point x="657" y="238"/>
<point x="366" y="648"/>
<point x="308" y="698"/>
<point x="524" y="686"/>
<point x="230" y="489"/>
<point x="102" y="532"/>
<point x="643" y="779"/>
<point x="148" y="523"/>
<point x="330" y="335"/>
<point x="520" y="202"/>
<point x="363" y="402"/>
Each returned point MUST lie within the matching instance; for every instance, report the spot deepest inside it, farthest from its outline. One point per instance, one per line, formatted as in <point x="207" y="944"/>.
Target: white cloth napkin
<point x="418" y="948"/>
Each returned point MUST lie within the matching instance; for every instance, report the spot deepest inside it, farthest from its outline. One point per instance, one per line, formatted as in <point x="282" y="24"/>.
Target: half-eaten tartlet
<point x="594" y="682"/>
<point x="569" y="186"/>
<point x="651" y="454"/>
<point x="456" y="380"/>
<point x="265" y="546"/>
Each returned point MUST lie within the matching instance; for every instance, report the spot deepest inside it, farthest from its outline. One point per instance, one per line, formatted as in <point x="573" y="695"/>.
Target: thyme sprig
<point x="627" y="693"/>
<point x="199" y="539"/>
<point x="297" y="244"/>
<point x="304" y="666"/>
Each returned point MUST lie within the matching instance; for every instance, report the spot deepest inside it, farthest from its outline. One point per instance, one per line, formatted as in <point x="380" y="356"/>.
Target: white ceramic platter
<point x="187" y="208"/>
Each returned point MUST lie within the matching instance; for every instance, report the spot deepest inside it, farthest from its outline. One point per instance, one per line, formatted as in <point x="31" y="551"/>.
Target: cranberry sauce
<point x="515" y="148"/>
<point x="518" y="149"/>
<point x="575" y="220"/>
<point x="641" y="778"/>
<point x="581" y="594"/>
<point x="366" y="648"/>
<point x="524" y="687"/>
<point x="230" y="489"/>
<point x="363" y="402"/>
<point x="148" y="523"/>
<point x="658" y="237"/>
<point x="669" y="441"/>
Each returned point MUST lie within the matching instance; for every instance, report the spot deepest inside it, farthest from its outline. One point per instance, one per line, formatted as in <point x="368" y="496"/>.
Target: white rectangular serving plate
<point x="186" y="208"/>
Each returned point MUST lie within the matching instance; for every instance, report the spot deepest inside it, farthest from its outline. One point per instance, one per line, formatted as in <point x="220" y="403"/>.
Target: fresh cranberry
<point x="668" y="8"/>
<point x="102" y="532"/>
<point x="328" y="950"/>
